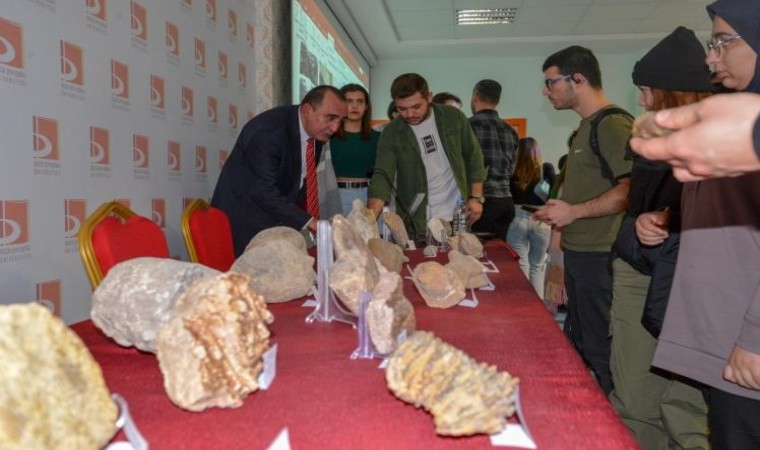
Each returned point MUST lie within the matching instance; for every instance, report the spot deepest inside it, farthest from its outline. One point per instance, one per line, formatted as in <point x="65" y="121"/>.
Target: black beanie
<point x="677" y="63"/>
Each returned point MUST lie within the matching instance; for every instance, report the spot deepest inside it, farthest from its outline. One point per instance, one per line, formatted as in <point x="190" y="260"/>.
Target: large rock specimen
<point x="390" y="255"/>
<point x="363" y="220"/>
<point x="136" y="298"/>
<point x="467" y="243"/>
<point x="468" y="268"/>
<point x="277" y="234"/>
<point x="439" y="229"/>
<point x="439" y="286"/>
<point x="465" y="397"/>
<point x="355" y="269"/>
<point x="278" y="270"/>
<point x="52" y="393"/>
<point x="389" y="313"/>
<point x="396" y="225"/>
<point x="210" y="352"/>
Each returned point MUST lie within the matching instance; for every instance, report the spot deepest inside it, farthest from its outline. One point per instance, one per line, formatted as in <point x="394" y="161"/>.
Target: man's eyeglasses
<point x="550" y="82"/>
<point x="715" y="44"/>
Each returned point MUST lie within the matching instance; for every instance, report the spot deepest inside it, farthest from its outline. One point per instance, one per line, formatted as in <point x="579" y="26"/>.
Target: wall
<point x="117" y="99"/>
<point x="522" y="81"/>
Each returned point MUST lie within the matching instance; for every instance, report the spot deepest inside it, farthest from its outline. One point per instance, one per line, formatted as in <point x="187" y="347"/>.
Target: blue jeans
<point x="347" y="196"/>
<point x="530" y="240"/>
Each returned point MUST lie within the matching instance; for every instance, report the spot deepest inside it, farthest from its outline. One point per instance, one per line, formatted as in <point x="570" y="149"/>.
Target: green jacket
<point x="398" y="157"/>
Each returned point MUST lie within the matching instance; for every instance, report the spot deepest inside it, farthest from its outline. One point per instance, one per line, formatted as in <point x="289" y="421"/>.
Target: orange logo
<point x="139" y="21"/>
<point x="45" y="136"/>
<point x="211" y="109"/>
<point x="222" y="64"/>
<point x="249" y="34"/>
<point x="211" y="10"/>
<point x="96" y="8"/>
<point x="49" y="295"/>
<point x="11" y="44"/>
<point x="140" y="151"/>
<point x="232" y="22"/>
<point x="223" y="155"/>
<point x="187" y="101"/>
<point x="14" y="222"/>
<point x="200" y="159"/>
<point x="100" y="152"/>
<point x="159" y="211"/>
<point x="173" y="152"/>
<point x="242" y="78"/>
<point x="200" y="53"/>
<point x="71" y="63"/>
<point x="157" y="91"/>
<point x="233" y="116"/>
<point x="119" y="79"/>
<point x="74" y="213"/>
<point x="172" y="39"/>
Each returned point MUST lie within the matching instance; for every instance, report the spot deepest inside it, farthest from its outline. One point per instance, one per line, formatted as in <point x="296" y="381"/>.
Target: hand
<point x="556" y="213"/>
<point x="713" y="138"/>
<point x="474" y="210"/>
<point x="743" y="368"/>
<point x="652" y="227"/>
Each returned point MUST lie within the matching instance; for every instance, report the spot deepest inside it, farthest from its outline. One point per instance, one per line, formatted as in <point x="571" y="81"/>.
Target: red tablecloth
<point x="328" y="401"/>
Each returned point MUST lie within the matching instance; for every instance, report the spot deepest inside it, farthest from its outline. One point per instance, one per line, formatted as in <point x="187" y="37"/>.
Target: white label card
<point x="270" y="368"/>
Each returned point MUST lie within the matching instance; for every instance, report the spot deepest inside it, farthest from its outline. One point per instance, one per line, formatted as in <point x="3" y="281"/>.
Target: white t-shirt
<point x="443" y="191"/>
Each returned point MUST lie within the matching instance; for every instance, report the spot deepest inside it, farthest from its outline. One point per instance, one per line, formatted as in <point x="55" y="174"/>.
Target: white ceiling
<point x="389" y="29"/>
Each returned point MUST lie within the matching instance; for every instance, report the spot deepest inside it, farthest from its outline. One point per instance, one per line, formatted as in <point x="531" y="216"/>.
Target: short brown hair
<point x="408" y="84"/>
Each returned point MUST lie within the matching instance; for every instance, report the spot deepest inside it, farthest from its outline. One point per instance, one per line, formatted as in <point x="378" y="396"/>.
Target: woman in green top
<point x="353" y="147"/>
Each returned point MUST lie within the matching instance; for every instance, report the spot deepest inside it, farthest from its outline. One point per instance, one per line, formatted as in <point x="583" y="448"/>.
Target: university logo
<point x="200" y="54"/>
<point x="49" y="296"/>
<point x="222" y="64"/>
<point x="71" y="64"/>
<point x="223" y="155"/>
<point x="249" y="35"/>
<point x="119" y="79"/>
<point x="187" y="101"/>
<point x="139" y="22"/>
<point x="45" y="138"/>
<point x="74" y="214"/>
<point x="242" y="75"/>
<point x="172" y="39"/>
<point x="200" y="159"/>
<point x="140" y="152"/>
<point x="96" y="9"/>
<point x="173" y="154"/>
<point x="156" y="92"/>
<point x="211" y="110"/>
<point x="14" y="222"/>
<point x="232" y="22"/>
<point x="100" y="151"/>
<point x="159" y="211"/>
<point x="233" y="116"/>
<point x="11" y="44"/>
<point x="211" y="10"/>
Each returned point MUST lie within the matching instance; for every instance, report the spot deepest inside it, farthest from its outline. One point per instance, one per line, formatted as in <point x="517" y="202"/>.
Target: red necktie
<point x="312" y="191"/>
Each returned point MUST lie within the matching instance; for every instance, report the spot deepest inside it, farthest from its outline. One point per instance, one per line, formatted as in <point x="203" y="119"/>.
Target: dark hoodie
<point x="715" y="301"/>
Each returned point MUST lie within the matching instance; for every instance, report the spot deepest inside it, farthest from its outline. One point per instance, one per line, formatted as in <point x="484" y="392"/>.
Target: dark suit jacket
<point x="259" y="186"/>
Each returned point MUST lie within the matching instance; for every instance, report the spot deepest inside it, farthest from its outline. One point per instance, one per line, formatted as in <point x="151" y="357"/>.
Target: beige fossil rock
<point x="467" y="243"/>
<point x="389" y="313"/>
<point x="363" y="220"/>
<point x="277" y="234"/>
<point x="355" y="269"/>
<point x="464" y="397"/>
<point x="468" y="268"/>
<point x="210" y="352"/>
<point x="136" y="298"/>
<point x="396" y="225"/>
<point x="278" y="270"/>
<point x="439" y="286"/>
<point x="439" y="228"/>
<point x="390" y="255"/>
<point x="52" y="393"/>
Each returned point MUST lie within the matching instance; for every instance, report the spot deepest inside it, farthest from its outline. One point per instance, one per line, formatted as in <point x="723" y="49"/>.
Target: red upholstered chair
<point x="208" y="235"/>
<point x="112" y="234"/>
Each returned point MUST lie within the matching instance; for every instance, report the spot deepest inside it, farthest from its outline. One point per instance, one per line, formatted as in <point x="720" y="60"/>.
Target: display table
<point x="328" y="401"/>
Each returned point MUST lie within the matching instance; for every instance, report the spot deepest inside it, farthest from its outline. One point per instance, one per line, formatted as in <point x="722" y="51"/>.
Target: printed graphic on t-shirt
<point x="428" y="143"/>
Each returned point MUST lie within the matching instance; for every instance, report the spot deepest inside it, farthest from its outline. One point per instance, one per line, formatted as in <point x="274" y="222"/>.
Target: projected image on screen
<point x="321" y="53"/>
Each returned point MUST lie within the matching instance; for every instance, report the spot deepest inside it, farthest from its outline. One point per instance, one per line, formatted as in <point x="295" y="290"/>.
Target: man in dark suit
<point x="262" y="183"/>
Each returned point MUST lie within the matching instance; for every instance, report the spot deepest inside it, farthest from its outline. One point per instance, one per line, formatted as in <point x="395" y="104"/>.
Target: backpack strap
<point x="594" y="140"/>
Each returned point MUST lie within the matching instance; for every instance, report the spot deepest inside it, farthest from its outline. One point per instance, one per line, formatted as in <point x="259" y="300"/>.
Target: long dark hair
<point x="528" y="167"/>
<point x="366" y="130"/>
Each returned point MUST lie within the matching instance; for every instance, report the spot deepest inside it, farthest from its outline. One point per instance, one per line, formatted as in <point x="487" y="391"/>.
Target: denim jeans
<point x="530" y="240"/>
<point x="347" y="196"/>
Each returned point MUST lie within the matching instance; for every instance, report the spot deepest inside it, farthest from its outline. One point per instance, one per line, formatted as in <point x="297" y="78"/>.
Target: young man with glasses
<point x="591" y="207"/>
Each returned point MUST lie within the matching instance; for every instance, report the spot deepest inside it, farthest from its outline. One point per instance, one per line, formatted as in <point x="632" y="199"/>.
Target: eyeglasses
<point x="550" y="82"/>
<point x="714" y="44"/>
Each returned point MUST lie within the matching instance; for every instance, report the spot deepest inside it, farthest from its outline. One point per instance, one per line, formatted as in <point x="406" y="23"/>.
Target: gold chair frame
<point x="86" y="249"/>
<point x="192" y="251"/>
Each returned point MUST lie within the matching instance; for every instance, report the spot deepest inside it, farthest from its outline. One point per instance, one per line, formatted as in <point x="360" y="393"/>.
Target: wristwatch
<point x="479" y="199"/>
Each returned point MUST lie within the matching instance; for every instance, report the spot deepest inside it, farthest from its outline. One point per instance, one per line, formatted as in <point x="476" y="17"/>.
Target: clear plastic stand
<point x="366" y="349"/>
<point x="385" y="232"/>
<point x="135" y="440"/>
<point x="328" y="309"/>
<point x="489" y="265"/>
<point x="515" y="435"/>
<point x="469" y="302"/>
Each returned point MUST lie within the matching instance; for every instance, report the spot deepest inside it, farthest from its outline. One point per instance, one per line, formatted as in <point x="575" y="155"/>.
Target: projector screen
<point x="322" y="52"/>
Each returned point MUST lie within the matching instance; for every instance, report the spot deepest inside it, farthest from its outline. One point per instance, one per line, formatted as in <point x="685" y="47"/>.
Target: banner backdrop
<point x="136" y="100"/>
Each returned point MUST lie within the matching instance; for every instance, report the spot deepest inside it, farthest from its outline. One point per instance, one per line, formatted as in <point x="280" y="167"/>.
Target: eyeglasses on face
<point x="716" y="44"/>
<point x="550" y="82"/>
